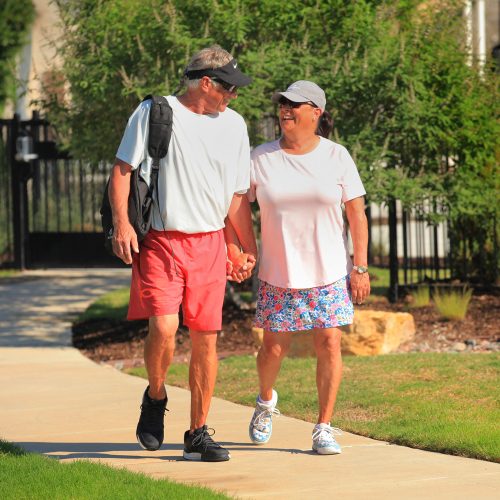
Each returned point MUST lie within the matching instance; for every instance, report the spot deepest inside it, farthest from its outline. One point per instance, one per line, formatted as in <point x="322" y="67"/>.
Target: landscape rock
<point x="372" y="333"/>
<point x="459" y="346"/>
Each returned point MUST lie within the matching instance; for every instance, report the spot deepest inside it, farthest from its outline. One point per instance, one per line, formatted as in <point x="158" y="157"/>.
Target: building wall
<point x="36" y="58"/>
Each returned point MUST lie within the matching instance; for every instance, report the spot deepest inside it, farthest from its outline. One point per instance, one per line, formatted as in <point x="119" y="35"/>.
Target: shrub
<point x="452" y="304"/>
<point x="420" y="297"/>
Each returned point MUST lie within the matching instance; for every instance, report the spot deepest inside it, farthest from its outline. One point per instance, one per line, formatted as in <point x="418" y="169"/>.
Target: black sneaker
<point x="150" y="427"/>
<point x="201" y="446"/>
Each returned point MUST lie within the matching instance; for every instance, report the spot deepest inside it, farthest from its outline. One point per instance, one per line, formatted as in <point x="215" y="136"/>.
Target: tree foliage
<point x="419" y="120"/>
<point x="15" y="19"/>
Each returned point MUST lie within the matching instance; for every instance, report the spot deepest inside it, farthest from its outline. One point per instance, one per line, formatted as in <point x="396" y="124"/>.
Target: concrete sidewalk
<point x="57" y="402"/>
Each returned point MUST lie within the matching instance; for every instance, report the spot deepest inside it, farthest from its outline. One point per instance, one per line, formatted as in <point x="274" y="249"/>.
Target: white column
<point x="468" y="27"/>
<point x="23" y="78"/>
<point x="481" y="33"/>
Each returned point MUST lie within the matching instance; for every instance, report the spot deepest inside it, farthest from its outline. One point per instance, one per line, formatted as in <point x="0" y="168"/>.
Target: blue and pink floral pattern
<point x="291" y="309"/>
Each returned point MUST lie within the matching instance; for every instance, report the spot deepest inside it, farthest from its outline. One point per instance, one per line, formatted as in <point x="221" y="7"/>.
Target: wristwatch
<point x="361" y="269"/>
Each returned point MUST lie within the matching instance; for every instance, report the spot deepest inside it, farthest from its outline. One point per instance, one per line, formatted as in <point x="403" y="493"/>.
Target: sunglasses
<point x="232" y="89"/>
<point x="285" y="103"/>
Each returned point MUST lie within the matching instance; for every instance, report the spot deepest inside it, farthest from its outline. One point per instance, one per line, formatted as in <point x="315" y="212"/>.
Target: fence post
<point x="393" y="252"/>
<point x="19" y="199"/>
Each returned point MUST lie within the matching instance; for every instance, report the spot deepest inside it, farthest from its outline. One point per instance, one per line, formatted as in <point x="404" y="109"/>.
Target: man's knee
<point x="203" y="342"/>
<point x="163" y="328"/>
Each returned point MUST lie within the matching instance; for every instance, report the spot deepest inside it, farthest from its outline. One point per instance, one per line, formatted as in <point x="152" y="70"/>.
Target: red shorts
<point x="197" y="281"/>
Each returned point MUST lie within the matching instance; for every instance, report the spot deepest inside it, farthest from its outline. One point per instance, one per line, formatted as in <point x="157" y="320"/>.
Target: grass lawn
<point x="380" y="277"/>
<point x="439" y="402"/>
<point x="8" y="273"/>
<point x="112" y="305"/>
<point x="29" y="475"/>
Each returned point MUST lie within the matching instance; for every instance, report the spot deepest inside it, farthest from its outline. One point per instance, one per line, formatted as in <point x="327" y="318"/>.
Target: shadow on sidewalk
<point x="65" y="451"/>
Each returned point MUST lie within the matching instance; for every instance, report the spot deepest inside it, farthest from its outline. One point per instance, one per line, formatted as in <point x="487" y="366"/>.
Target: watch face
<point x="361" y="269"/>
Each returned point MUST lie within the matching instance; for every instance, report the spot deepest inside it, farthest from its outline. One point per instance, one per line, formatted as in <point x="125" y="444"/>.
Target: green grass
<point x="112" y="305"/>
<point x="380" y="277"/>
<point x="439" y="402"/>
<point x="9" y="273"/>
<point x="452" y="304"/>
<point x="29" y="475"/>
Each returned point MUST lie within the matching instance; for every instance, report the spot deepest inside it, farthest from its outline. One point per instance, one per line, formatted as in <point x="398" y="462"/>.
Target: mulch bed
<point x="120" y="343"/>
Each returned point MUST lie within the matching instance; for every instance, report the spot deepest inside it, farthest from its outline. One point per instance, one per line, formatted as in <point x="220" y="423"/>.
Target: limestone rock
<point x="377" y="332"/>
<point x="373" y="332"/>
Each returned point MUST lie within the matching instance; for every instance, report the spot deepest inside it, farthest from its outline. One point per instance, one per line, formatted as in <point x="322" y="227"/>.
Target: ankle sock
<point x="267" y="403"/>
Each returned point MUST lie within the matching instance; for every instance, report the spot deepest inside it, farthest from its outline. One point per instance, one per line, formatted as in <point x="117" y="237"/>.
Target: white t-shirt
<point x="304" y="242"/>
<point x="208" y="160"/>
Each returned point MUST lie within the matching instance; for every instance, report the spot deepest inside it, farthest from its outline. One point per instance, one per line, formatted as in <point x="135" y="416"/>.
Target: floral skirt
<point x="292" y="309"/>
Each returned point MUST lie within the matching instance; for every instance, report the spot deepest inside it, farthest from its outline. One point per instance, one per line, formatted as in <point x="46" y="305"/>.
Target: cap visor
<point x="288" y="95"/>
<point x="239" y="79"/>
<point x="232" y="75"/>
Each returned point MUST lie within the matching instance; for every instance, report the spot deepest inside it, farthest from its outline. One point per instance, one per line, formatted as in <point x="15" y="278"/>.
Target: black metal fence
<point x="6" y="227"/>
<point x="49" y="214"/>
<point x="50" y="202"/>
<point x="65" y="196"/>
<point x="413" y="248"/>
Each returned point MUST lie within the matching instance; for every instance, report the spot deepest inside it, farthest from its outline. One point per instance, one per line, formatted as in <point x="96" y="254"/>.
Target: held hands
<point x="125" y="242"/>
<point x="239" y="267"/>
<point x="360" y="286"/>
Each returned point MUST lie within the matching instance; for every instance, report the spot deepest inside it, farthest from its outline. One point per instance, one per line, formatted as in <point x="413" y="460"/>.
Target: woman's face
<point x="298" y="116"/>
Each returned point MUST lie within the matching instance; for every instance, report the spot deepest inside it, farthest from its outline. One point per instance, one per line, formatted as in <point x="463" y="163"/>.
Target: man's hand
<point x="239" y="267"/>
<point x="125" y="242"/>
<point x="360" y="286"/>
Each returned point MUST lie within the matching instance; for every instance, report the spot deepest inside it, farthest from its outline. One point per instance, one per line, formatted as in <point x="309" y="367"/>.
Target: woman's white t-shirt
<point x="304" y="242"/>
<point x="208" y="160"/>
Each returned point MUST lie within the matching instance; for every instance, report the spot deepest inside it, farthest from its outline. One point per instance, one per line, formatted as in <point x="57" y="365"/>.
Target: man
<point x="182" y="260"/>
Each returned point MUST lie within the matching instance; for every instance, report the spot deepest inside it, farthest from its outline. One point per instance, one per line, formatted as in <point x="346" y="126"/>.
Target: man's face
<point x="218" y="97"/>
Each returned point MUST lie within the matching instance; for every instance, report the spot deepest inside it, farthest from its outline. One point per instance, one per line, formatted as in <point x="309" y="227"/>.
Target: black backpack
<point x="140" y="200"/>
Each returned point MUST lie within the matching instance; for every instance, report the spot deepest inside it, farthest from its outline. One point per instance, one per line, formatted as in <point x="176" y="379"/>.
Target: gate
<point x="52" y="200"/>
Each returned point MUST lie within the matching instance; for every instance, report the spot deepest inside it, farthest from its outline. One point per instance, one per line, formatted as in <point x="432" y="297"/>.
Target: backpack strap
<point x="160" y="129"/>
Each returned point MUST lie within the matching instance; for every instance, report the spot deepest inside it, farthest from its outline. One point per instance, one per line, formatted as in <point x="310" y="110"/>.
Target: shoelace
<point x="205" y="439"/>
<point x="319" y="433"/>
<point x="152" y="412"/>
<point x="261" y="420"/>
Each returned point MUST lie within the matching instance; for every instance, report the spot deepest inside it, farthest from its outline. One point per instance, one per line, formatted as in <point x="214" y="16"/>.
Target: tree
<point x="419" y="121"/>
<point x="16" y="17"/>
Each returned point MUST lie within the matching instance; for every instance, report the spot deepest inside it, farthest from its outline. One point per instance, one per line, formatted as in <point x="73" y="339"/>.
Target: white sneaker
<point x="323" y="439"/>
<point x="261" y="425"/>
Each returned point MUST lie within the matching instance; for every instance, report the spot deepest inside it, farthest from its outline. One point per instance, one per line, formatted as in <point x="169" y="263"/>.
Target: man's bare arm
<point x="240" y="236"/>
<point x="240" y="216"/>
<point x="124" y="237"/>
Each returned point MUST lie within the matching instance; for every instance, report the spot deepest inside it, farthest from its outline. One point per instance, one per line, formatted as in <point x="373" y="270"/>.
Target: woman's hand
<point x="239" y="267"/>
<point x="360" y="286"/>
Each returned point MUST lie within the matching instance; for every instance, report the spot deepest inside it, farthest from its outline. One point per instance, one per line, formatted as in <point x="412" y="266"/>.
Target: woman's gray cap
<point x="303" y="91"/>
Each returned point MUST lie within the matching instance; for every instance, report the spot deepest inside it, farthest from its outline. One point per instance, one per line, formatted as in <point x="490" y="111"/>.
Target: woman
<point x="306" y="278"/>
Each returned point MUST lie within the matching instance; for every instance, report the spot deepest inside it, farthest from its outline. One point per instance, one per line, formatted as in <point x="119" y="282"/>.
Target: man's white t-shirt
<point x="304" y="242"/>
<point x="208" y="160"/>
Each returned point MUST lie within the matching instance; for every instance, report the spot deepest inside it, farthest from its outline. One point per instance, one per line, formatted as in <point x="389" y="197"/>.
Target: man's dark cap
<point x="230" y="73"/>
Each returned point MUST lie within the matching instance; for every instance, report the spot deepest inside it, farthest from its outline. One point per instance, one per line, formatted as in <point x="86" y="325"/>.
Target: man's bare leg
<point x="159" y="350"/>
<point x="202" y="375"/>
